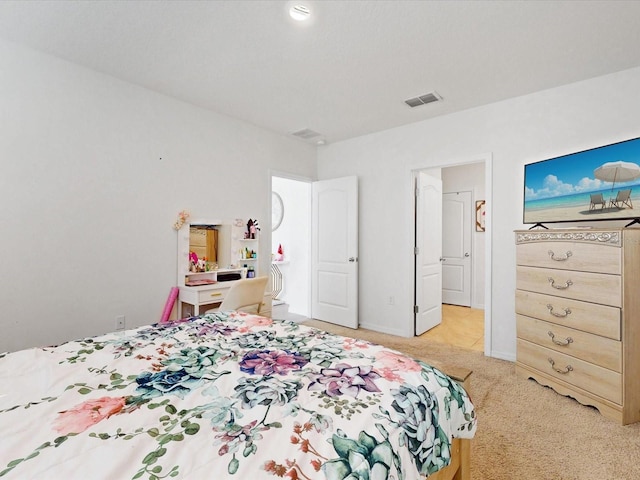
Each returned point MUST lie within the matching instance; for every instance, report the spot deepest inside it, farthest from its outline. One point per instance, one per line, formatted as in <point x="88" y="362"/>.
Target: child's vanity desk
<point x="228" y="254"/>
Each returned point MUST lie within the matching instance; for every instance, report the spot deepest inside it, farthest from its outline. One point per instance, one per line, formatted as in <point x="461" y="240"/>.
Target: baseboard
<point x="509" y="356"/>
<point x="379" y="329"/>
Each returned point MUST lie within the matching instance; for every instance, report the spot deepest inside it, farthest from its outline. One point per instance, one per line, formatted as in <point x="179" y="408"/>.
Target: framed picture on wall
<point x="480" y="212"/>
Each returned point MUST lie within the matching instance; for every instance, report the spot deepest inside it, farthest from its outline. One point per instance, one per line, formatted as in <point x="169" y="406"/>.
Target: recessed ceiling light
<point x="300" y="12"/>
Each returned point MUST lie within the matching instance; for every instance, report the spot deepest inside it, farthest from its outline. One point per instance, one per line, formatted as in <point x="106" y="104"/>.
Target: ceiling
<point x="346" y="72"/>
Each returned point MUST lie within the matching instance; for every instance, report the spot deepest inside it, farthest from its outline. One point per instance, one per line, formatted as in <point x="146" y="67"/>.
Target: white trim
<point x="488" y="263"/>
<point x="508" y="356"/>
<point x="398" y="332"/>
<point x="289" y="176"/>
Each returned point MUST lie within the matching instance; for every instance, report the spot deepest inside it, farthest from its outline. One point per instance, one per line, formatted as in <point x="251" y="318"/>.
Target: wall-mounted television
<point x="602" y="183"/>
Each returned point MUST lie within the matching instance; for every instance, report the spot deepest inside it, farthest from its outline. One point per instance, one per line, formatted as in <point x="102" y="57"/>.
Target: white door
<point x="456" y="248"/>
<point x="428" y="283"/>
<point x="334" y="251"/>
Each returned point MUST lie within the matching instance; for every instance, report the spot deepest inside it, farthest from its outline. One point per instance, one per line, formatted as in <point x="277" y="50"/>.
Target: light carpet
<point x="525" y="430"/>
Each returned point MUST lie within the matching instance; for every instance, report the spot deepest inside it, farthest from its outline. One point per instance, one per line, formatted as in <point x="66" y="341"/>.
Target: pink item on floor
<point x="171" y="300"/>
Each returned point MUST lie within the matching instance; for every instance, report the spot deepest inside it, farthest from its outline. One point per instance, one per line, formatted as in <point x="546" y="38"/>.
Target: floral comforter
<point x="227" y="395"/>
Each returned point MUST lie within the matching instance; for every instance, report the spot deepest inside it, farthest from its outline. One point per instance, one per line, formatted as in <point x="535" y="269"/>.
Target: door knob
<point x="353" y="259"/>
<point x="466" y="254"/>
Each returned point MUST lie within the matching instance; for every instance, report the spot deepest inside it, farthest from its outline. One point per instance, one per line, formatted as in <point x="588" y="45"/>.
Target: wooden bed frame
<point x="460" y="466"/>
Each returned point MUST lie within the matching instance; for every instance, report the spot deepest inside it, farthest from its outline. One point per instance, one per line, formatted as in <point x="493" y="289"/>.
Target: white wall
<point x="470" y="178"/>
<point x="514" y="132"/>
<point x="94" y="172"/>
<point x="295" y="236"/>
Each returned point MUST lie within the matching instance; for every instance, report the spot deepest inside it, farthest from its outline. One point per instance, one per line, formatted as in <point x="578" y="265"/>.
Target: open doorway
<point x="291" y="248"/>
<point x="464" y="234"/>
<point x="465" y="315"/>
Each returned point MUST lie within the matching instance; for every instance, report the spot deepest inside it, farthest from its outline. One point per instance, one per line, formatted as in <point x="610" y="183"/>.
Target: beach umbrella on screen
<point x="617" y="172"/>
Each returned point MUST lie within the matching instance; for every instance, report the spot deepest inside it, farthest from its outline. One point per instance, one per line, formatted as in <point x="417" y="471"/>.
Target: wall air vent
<point x="306" y="134"/>
<point x="423" y="99"/>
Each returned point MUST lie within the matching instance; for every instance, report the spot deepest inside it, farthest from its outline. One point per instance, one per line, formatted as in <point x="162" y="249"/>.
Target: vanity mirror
<point x="204" y="249"/>
<point x="203" y="241"/>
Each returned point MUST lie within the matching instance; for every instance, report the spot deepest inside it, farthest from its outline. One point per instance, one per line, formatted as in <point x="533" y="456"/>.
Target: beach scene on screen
<point x="598" y="184"/>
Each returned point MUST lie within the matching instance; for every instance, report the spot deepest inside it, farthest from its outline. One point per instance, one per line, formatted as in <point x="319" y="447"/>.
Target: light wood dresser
<point x="578" y="315"/>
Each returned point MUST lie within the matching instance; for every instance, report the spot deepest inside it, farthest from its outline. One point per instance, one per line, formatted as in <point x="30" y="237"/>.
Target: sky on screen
<point x="571" y="174"/>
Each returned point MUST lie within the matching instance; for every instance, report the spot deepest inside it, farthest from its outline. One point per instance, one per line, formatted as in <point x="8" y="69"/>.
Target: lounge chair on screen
<point x="622" y="198"/>
<point x="597" y="199"/>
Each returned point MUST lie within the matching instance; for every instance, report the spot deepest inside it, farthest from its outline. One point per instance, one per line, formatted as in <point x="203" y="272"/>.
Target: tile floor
<point x="461" y="326"/>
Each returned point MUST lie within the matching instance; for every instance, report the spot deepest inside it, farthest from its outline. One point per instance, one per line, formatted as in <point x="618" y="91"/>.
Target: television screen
<point x="598" y="184"/>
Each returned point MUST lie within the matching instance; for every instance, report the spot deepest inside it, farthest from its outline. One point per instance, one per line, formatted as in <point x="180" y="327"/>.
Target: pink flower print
<point x="351" y="343"/>
<point x="87" y="414"/>
<point x="397" y="361"/>
<point x="255" y="321"/>
<point x="389" y="374"/>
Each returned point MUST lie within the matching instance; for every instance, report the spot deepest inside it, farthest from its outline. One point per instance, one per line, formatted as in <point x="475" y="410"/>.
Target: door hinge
<point x="416" y="309"/>
<point x="416" y="250"/>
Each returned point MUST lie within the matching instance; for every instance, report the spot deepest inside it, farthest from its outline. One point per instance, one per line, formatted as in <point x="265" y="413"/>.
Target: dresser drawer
<point x="212" y="296"/>
<point x="589" y="317"/>
<point x="591" y="348"/>
<point x="590" y="287"/>
<point x="584" y="257"/>
<point x="587" y="376"/>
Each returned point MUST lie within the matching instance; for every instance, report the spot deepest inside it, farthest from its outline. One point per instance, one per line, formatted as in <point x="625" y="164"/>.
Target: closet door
<point x="428" y="253"/>
<point x="334" y="251"/>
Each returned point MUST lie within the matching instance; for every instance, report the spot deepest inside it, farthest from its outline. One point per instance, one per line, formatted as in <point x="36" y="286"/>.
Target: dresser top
<point x="609" y="236"/>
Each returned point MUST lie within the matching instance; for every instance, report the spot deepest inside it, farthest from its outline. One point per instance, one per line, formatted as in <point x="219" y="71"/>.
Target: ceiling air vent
<point x="423" y="99"/>
<point x="306" y="134"/>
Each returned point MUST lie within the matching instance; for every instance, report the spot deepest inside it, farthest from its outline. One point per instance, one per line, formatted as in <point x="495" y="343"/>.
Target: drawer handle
<point x="216" y="294"/>
<point x="560" y="259"/>
<point x="564" y="343"/>
<point x="566" y="285"/>
<point x="566" y="311"/>
<point x="566" y="370"/>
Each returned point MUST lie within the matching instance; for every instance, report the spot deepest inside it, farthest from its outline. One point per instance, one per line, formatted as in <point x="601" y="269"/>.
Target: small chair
<point x="597" y="199"/>
<point x="248" y="292"/>
<point x="622" y="198"/>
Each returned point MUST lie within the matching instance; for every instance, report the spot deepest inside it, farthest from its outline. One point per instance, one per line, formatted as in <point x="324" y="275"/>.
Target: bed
<point x="229" y="395"/>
